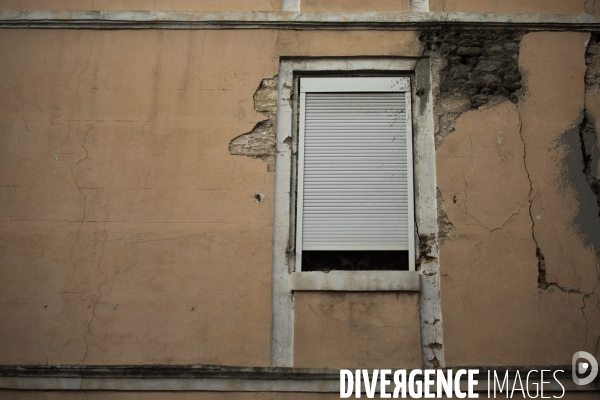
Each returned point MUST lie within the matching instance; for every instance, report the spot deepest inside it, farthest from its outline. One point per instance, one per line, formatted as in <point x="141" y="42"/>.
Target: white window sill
<point x="396" y="281"/>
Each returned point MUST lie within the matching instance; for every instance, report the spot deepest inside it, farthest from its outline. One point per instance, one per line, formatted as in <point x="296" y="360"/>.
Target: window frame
<point x="355" y="84"/>
<point x="423" y="282"/>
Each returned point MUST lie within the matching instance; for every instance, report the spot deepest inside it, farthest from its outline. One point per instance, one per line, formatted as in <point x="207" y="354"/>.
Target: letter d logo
<point x="591" y="365"/>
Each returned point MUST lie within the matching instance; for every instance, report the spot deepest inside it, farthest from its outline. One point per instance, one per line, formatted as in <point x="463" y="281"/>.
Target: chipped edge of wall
<point x="259" y="143"/>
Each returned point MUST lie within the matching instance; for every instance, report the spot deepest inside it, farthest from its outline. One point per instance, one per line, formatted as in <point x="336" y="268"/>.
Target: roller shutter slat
<point x="355" y="172"/>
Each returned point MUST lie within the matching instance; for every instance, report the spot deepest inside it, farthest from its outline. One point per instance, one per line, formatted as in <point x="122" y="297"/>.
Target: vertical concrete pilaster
<point x="426" y="218"/>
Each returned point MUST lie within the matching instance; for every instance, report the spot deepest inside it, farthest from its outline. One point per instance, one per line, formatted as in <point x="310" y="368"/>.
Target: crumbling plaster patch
<point x="259" y="143"/>
<point x="567" y="168"/>
<point x="477" y="67"/>
<point x="563" y="204"/>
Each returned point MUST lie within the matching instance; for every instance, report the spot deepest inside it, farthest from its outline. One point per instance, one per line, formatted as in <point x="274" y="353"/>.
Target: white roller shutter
<point x="355" y="165"/>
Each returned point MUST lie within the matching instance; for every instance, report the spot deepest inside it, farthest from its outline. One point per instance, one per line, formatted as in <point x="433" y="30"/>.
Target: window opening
<point x="355" y="207"/>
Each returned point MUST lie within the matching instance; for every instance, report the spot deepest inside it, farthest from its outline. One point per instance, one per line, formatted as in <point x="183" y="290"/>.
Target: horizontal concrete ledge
<point x="235" y="379"/>
<point x="350" y="281"/>
<point x="168" y="377"/>
<point x="288" y="20"/>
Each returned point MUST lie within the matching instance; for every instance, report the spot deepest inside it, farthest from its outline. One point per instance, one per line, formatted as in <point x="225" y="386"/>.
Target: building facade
<point x="149" y="185"/>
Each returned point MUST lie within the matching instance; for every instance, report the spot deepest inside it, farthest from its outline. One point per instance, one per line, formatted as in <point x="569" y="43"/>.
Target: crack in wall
<point x="541" y="266"/>
<point x="591" y="10"/>
<point x="74" y="166"/>
<point x="87" y="345"/>
<point x="260" y="143"/>
<point x="583" y="150"/>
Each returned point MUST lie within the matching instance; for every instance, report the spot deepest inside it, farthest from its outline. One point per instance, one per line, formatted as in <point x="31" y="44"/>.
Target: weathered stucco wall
<point x="354" y="5"/>
<point x="183" y="5"/>
<point x="516" y="6"/>
<point x="356" y="330"/>
<point x="521" y="252"/>
<point x="132" y="219"/>
<point x="129" y="234"/>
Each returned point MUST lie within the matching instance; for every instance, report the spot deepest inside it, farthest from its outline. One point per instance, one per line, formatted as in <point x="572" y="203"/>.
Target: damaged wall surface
<point x="476" y="67"/>
<point x="260" y="141"/>
<point x="513" y="185"/>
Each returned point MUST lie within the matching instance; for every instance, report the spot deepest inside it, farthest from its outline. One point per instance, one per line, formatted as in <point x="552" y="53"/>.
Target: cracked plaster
<point x="511" y="191"/>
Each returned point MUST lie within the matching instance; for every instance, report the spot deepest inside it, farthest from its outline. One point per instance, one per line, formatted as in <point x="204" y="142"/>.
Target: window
<point x="289" y="273"/>
<point x="355" y="208"/>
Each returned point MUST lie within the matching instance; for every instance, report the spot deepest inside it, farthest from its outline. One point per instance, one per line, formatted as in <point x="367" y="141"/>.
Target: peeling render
<point x="259" y="143"/>
<point x="477" y="68"/>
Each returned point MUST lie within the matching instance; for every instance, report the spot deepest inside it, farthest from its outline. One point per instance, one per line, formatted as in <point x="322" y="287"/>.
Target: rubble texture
<point x="260" y="141"/>
<point x="477" y="67"/>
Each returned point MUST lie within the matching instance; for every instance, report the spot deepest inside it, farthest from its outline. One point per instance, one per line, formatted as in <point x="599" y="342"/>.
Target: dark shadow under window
<point x="354" y="261"/>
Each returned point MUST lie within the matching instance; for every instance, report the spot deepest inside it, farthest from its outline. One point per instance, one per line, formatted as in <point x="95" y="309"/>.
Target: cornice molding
<point x="290" y="20"/>
<point x="224" y="378"/>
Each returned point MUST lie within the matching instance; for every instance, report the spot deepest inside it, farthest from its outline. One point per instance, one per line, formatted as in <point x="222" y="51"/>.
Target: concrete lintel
<point x="399" y="281"/>
<point x="288" y="20"/>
